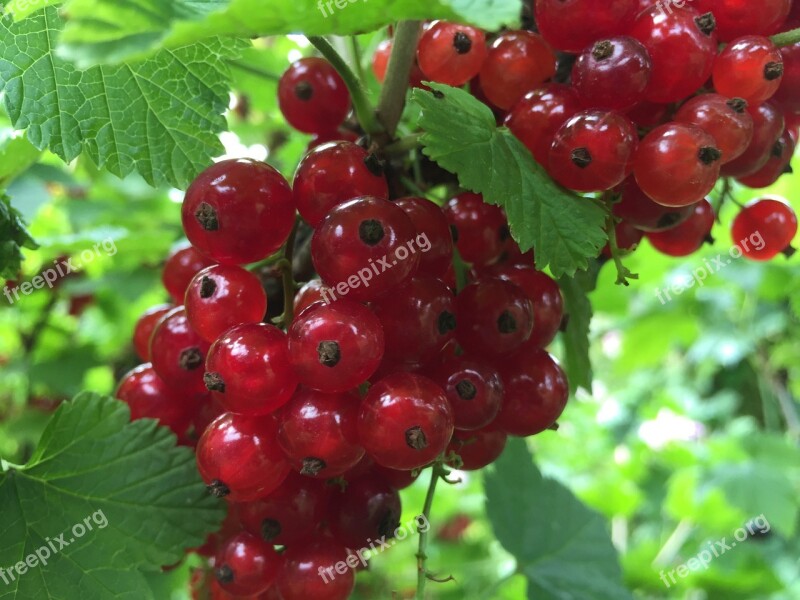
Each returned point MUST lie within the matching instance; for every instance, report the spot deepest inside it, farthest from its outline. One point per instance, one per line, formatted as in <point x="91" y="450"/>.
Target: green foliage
<point x="578" y="309"/>
<point x="143" y="494"/>
<point x="461" y="135"/>
<point x="13" y="237"/>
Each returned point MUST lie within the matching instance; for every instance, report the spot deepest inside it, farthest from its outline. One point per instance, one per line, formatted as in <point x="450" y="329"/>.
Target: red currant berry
<point x="405" y="421"/>
<point x="246" y="565"/>
<point x="310" y="293"/>
<point x="768" y="125"/>
<point x="495" y="317"/>
<point x="432" y="226"/>
<point x="144" y="329"/>
<point x="473" y="389"/>
<point x="677" y="164"/>
<point x="778" y="164"/>
<point x="222" y="296"/>
<point x="312" y="96"/>
<point x="477" y="449"/>
<point x="340" y="135"/>
<point x="689" y="236"/>
<point x="318" y="432"/>
<point x="725" y="119"/>
<point x="177" y="352"/>
<point x="571" y="25"/>
<point x="637" y="209"/>
<point x="368" y="509"/>
<point x="736" y="18"/>
<point x="593" y="151"/>
<point x="148" y="397"/>
<point x="479" y="230"/>
<point x="612" y="74"/>
<point x="650" y="114"/>
<point x="249" y="371"/>
<point x="682" y="46"/>
<point x="450" y="53"/>
<point x="536" y="392"/>
<point x="787" y="98"/>
<point x="308" y="572"/>
<point x="535" y="119"/>
<point x="765" y="228"/>
<point x="334" y="173"/>
<point x="517" y="62"/>
<point x="238" y="211"/>
<point x="751" y="67"/>
<point x="182" y="265"/>
<point x="544" y="294"/>
<point x="399" y="480"/>
<point x="418" y="319"/>
<point x="364" y="248"/>
<point x="289" y="515"/>
<point x="627" y="236"/>
<point x="335" y="347"/>
<point x="239" y="458"/>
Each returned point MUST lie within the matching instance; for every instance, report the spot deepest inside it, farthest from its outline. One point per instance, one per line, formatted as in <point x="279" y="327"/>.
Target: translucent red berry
<point x="149" y="397"/>
<point x="765" y="228"/>
<point x="450" y="53"/>
<point x="178" y="352"/>
<point x="479" y="230"/>
<point x="687" y="237"/>
<point x="144" y="329"/>
<point x="571" y="25"/>
<point x="725" y="119"/>
<point x="750" y="67"/>
<point x="768" y="126"/>
<point x="736" y="18"/>
<point x="436" y="253"/>
<point x="474" y="390"/>
<point x="777" y="164"/>
<point x="636" y="208"/>
<point x="182" y="265"/>
<point x="309" y="571"/>
<point x="312" y="96"/>
<point x="365" y="511"/>
<point x="477" y="449"/>
<point x="246" y="565"/>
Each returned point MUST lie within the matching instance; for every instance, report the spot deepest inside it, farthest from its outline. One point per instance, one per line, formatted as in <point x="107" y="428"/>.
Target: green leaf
<point x="13" y="237"/>
<point x="578" y="308"/>
<point x="159" y="117"/>
<point x="16" y="155"/>
<point x="138" y="498"/>
<point x="564" y="230"/>
<point x="101" y="31"/>
<point x="561" y="546"/>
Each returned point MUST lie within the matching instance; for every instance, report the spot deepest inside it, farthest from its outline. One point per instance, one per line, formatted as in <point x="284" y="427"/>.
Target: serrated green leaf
<point x="16" y="155"/>
<point x="158" y="117"/>
<point x="13" y="237"/>
<point x="102" y="31"/>
<point x="141" y="494"/>
<point x="578" y="309"/>
<point x="461" y="135"/>
<point x="561" y="546"/>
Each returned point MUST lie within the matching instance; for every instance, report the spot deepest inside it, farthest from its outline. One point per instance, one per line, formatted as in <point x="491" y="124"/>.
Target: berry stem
<point x="287" y="276"/>
<point x="437" y="471"/>
<point x="623" y="273"/>
<point x="364" y="112"/>
<point x="355" y="52"/>
<point x="253" y="70"/>
<point x="787" y="38"/>
<point x="393" y="95"/>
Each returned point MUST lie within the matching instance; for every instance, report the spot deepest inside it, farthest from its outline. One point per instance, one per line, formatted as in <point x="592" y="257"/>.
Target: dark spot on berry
<point x="707" y="23"/>
<point x="370" y="232"/>
<point x="778" y="149"/>
<point x="374" y="164"/>
<point x="773" y="71"/>
<point x="214" y="382"/>
<point x="270" y="529"/>
<point x="506" y="323"/>
<point x="207" y="287"/>
<point x="505" y="233"/>
<point x="708" y="155"/>
<point x="603" y="50"/>
<point x="207" y="217"/>
<point x="224" y="574"/>
<point x="581" y="157"/>
<point x="462" y="43"/>
<point x="667" y="220"/>
<point x="738" y="105"/>
<point x="466" y="389"/>
<point x="218" y="489"/>
<point x="446" y="322"/>
<point x="312" y="466"/>
<point x="329" y="353"/>
<point x="304" y="91"/>
<point x="415" y="438"/>
<point x="191" y="358"/>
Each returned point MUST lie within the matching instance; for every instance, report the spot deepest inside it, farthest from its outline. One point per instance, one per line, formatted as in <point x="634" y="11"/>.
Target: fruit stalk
<point x="393" y="94"/>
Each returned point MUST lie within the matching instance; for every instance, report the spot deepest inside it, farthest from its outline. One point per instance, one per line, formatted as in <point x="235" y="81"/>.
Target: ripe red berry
<point x="182" y="265"/>
<point x="288" y="516"/>
<point x="248" y="369"/>
<point x="364" y="248"/>
<point x="450" y="53"/>
<point x="765" y="228"/>
<point x="144" y="329"/>
<point x="473" y="389"/>
<point x="593" y="151"/>
<point x="309" y="572"/>
<point x="736" y="18"/>
<point x="239" y="458"/>
<point x="222" y="296"/>
<point x="238" y="211"/>
<point x="246" y="565"/>
<point x="571" y="25"/>
<point x="536" y="392"/>
<point x="787" y="98"/>
<point x="312" y="96"/>
<point x="405" y="421"/>
<point x="177" y="352"/>
<point x="149" y="397"/>
<point x="682" y="46"/>
<point x="495" y="317"/>
<point x="418" y="319"/>
<point x="310" y="293"/>
<point x="517" y="62"/>
<point x="479" y="230"/>
<point x="335" y="347"/>
<point x="536" y="118"/>
<point x="750" y="67"/>
<point x="477" y="449"/>
<point x="768" y="125"/>
<point x="318" y="433"/>
<point x="778" y="164"/>
<point x="689" y="236"/>
<point x="334" y="173"/>
<point x="431" y="225"/>
<point x="365" y="511"/>
<point x="677" y="164"/>
<point x="612" y="74"/>
<point x="636" y="208"/>
<point x="399" y="480"/>
<point x="725" y="119"/>
<point x="628" y="238"/>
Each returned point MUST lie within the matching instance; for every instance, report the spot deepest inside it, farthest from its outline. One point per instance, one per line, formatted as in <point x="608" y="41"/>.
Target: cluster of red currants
<point x="648" y="102"/>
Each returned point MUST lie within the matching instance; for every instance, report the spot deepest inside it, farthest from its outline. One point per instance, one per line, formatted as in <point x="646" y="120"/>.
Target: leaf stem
<point x="437" y="471"/>
<point x="404" y="144"/>
<point x="393" y="95"/>
<point x="364" y="112"/>
<point x="787" y="38"/>
<point x="258" y="72"/>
